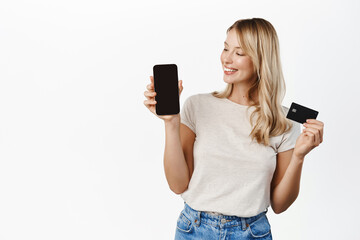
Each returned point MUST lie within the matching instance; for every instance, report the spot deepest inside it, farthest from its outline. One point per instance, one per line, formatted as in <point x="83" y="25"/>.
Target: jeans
<point x="193" y="224"/>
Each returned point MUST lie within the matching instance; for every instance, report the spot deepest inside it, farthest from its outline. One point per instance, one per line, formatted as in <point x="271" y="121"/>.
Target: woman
<point x="233" y="154"/>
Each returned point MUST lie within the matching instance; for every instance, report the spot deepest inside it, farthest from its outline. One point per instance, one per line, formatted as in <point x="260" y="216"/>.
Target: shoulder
<point x="199" y="98"/>
<point x="201" y="95"/>
<point x="285" y="109"/>
<point x="295" y="126"/>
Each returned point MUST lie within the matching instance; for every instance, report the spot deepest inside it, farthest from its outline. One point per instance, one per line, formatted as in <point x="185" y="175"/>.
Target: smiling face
<point x="238" y="67"/>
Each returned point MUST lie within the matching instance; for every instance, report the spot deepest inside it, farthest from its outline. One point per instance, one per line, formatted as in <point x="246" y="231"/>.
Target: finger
<point x="180" y="86"/>
<point x="316" y="133"/>
<point x="314" y="121"/>
<point x="149" y="95"/>
<point x="310" y="138"/>
<point x="149" y="103"/>
<point x="150" y="87"/>
<point x="315" y="126"/>
<point x="152" y="82"/>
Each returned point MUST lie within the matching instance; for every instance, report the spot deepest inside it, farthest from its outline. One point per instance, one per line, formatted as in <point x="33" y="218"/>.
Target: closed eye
<point x="236" y="53"/>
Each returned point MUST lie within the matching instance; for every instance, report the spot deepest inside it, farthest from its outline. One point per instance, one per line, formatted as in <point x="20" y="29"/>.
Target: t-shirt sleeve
<point x="289" y="138"/>
<point x="187" y="114"/>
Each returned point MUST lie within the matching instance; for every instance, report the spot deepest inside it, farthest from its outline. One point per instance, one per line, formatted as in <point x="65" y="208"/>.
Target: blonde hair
<point x="258" y="39"/>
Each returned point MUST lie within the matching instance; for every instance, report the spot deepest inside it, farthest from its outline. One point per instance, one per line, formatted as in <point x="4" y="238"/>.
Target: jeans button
<point x="223" y="220"/>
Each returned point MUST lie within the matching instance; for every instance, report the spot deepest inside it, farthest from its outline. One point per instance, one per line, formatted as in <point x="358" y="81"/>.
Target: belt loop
<point x="195" y="214"/>
<point x="197" y="220"/>
<point x="244" y="224"/>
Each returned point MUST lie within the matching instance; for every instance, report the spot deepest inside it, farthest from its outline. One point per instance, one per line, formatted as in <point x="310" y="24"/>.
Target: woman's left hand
<point x="310" y="138"/>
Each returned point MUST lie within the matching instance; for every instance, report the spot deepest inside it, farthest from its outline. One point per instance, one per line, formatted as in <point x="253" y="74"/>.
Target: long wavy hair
<point x="258" y="39"/>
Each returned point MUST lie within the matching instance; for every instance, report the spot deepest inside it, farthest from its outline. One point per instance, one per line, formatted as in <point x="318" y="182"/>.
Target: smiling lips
<point x="229" y="71"/>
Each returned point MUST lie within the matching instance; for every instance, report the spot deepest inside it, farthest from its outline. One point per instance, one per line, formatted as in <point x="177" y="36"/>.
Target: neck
<point x="239" y="95"/>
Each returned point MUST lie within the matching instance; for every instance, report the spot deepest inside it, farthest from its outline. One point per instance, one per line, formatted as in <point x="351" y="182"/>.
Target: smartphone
<point x="167" y="89"/>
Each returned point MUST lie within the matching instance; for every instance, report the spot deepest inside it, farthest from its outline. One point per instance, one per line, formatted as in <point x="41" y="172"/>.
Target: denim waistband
<point x="219" y="220"/>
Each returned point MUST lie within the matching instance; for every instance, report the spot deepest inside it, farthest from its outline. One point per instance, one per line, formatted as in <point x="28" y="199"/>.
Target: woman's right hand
<point x="150" y="102"/>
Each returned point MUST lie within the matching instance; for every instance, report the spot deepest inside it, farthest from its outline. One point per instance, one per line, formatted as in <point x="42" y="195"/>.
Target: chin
<point x="229" y="80"/>
<point x="233" y="79"/>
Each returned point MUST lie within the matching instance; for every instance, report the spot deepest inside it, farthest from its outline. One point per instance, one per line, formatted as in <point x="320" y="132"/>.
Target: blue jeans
<point x="193" y="224"/>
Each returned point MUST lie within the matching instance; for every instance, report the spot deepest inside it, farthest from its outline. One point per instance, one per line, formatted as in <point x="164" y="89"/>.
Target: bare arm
<point x="175" y="166"/>
<point x="179" y="141"/>
<point x="285" y="186"/>
<point x="286" y="180"/>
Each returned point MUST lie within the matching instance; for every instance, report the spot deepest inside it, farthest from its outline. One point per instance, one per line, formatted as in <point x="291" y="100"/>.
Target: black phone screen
<point x="167" y="89"/>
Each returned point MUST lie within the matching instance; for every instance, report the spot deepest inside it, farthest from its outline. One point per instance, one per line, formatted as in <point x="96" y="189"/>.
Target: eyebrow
<point x="228" y="45"/>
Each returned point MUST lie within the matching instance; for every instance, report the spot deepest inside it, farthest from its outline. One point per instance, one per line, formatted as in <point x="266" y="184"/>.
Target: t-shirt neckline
<point x="231" y="102"/>
<point x="237" y="104"/>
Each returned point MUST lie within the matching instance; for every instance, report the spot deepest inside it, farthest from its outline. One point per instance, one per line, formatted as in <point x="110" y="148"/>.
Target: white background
<point x="81" y="157"/>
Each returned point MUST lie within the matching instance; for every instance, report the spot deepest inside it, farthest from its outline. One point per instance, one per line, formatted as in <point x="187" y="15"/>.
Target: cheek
<point x="244" y="64"/>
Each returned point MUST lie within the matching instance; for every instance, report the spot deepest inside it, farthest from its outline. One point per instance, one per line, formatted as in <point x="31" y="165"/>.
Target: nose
<point x="227" y="57"/>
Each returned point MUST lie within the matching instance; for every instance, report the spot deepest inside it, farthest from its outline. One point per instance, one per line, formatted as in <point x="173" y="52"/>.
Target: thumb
<point x="180" y="86"/>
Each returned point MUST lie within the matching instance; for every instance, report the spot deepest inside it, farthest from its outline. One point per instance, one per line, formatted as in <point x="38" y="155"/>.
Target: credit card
<point x="300" y="113"/>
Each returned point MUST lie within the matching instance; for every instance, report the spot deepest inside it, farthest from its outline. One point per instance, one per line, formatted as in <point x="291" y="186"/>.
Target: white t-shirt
<point x="232" y="173"/>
